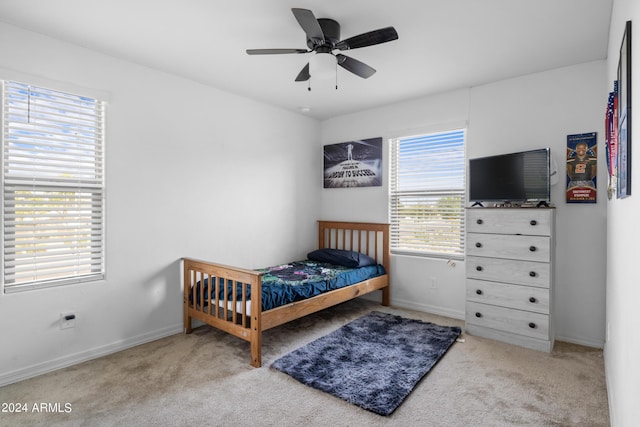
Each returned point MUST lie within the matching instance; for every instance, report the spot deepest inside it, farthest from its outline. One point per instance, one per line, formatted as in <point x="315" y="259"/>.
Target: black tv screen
<point x="514" y="177"/>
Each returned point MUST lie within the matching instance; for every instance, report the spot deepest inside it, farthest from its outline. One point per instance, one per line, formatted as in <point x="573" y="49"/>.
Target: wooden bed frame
<point x="235" y="317"/>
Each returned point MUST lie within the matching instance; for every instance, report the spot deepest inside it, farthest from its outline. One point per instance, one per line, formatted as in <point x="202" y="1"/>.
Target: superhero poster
<point x="582" y="168"/>
<point x="353" y="164"/>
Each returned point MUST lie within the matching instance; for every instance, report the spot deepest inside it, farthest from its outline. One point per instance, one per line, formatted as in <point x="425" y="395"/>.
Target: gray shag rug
<point x="373" y="362"/>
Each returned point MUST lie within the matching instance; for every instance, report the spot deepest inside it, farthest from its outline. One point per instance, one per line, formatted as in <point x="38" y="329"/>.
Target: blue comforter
<point x="296" y="281"/>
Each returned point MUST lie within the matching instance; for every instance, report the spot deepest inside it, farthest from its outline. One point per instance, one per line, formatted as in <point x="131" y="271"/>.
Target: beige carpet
<point x="204" y="379"/>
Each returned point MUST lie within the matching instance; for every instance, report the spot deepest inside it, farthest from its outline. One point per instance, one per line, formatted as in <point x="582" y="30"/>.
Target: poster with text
<point x="353" y="164"/>
<point x="582" y="167"/>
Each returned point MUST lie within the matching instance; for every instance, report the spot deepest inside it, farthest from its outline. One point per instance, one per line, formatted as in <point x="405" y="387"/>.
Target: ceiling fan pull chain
<point x="309" y="85"/>
<point x="336" y="75"/>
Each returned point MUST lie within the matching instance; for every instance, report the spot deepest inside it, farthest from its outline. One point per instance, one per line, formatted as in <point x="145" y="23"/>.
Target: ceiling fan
<point x="323" y="37"/>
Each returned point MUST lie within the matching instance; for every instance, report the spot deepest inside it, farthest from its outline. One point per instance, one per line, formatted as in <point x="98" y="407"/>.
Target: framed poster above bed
<point x="353" y="164"/>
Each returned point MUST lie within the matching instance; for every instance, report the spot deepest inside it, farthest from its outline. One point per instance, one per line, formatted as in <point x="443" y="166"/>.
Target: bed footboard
<point x="224" y="310"/>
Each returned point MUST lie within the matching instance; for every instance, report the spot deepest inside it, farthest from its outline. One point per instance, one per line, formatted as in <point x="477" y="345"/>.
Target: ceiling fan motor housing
<point x="331" y="31"/>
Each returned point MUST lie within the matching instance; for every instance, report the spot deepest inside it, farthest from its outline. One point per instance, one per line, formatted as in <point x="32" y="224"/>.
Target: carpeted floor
<point x="205" y="379"/>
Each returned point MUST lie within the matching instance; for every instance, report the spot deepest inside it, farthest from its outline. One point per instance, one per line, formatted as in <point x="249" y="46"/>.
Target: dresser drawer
<point x="529" y="248"/>
<point x="529" y="221"/>
<point x="506" y="295"/>
<point x="530" y="273"/>
<point x="519" y="322"/>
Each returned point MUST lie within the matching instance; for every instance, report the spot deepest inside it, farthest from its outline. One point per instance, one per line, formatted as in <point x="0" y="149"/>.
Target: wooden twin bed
<point x="244" y="317"/>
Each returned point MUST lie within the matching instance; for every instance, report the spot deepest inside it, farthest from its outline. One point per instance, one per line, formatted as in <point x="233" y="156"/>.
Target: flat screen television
<point x="522" y="177"/>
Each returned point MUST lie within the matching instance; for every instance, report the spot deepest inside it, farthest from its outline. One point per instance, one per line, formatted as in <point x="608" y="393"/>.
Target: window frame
<point x="459" y="192"/>
<point x="54" y="188"/>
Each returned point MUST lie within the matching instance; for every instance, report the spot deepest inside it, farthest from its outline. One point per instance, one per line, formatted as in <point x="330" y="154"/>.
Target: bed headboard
<point x="366" y="237"/>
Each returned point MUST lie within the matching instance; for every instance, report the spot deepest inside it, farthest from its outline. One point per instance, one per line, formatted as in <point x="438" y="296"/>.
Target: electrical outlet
<point x="67" y="320"/>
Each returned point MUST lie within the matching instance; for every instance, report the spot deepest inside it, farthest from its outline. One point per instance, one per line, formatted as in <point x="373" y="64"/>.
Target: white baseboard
<point x="427" y="308"/>
<point x="581" y="341"/>
<point x="73" y="359"/>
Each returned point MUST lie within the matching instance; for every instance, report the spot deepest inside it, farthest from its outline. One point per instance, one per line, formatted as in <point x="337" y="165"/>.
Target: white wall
<point x="533" y="111"/>
<point x="191" y="171"/>
<point x="622" y="350"/>
<point x="410" y="275"/>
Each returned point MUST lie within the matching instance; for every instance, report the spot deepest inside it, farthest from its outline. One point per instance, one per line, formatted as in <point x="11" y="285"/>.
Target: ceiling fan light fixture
<point x="322" y="65"/>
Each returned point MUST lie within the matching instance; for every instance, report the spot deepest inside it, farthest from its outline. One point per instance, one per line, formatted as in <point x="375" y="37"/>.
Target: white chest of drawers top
<point x="509" y="269"/>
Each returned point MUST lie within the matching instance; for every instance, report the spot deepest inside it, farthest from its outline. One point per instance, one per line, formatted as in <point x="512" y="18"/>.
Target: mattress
<point x="295" y="281"/>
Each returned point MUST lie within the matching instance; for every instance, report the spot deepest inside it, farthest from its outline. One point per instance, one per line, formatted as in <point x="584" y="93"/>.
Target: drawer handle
<point x="533" y="274"/>
<point x="479" y="221"/>
<point x="533" y="222"/>
<point x="532" y="325"/>
<point x="533" y="300"/>
<point x="479" y="291"/>
<point x="479" y="268"/>
<point x="478" y="245"/>
<point x="533" y="248"/>
<point x="478" y="314"/>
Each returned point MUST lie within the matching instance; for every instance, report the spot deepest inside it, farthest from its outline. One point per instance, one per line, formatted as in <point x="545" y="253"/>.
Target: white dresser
<point x="510" y="272"/>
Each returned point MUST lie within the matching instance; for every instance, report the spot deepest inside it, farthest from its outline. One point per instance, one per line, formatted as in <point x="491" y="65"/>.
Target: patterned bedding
<point x="296" y="281"/>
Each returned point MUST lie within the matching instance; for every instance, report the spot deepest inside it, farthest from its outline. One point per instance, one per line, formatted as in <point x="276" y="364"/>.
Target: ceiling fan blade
<point x="356" y="67"/>
<point x="371" y="38"/>
<point x="303" y="75"/>
<point x="275" y="51"/>
<point x="309" y="24"/>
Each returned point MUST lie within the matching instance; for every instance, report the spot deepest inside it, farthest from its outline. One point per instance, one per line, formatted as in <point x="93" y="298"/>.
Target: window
<point x="428" y="194"/>
<point x="53" y="187"/>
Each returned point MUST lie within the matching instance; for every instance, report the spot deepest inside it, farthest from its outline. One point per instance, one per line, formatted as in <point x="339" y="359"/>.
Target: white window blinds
<point x="53" y="187"/>
<point x="428" y="194"/>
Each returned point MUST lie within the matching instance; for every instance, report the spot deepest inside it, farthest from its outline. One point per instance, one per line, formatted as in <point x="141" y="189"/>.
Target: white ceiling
<point x="443" y="44"/>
